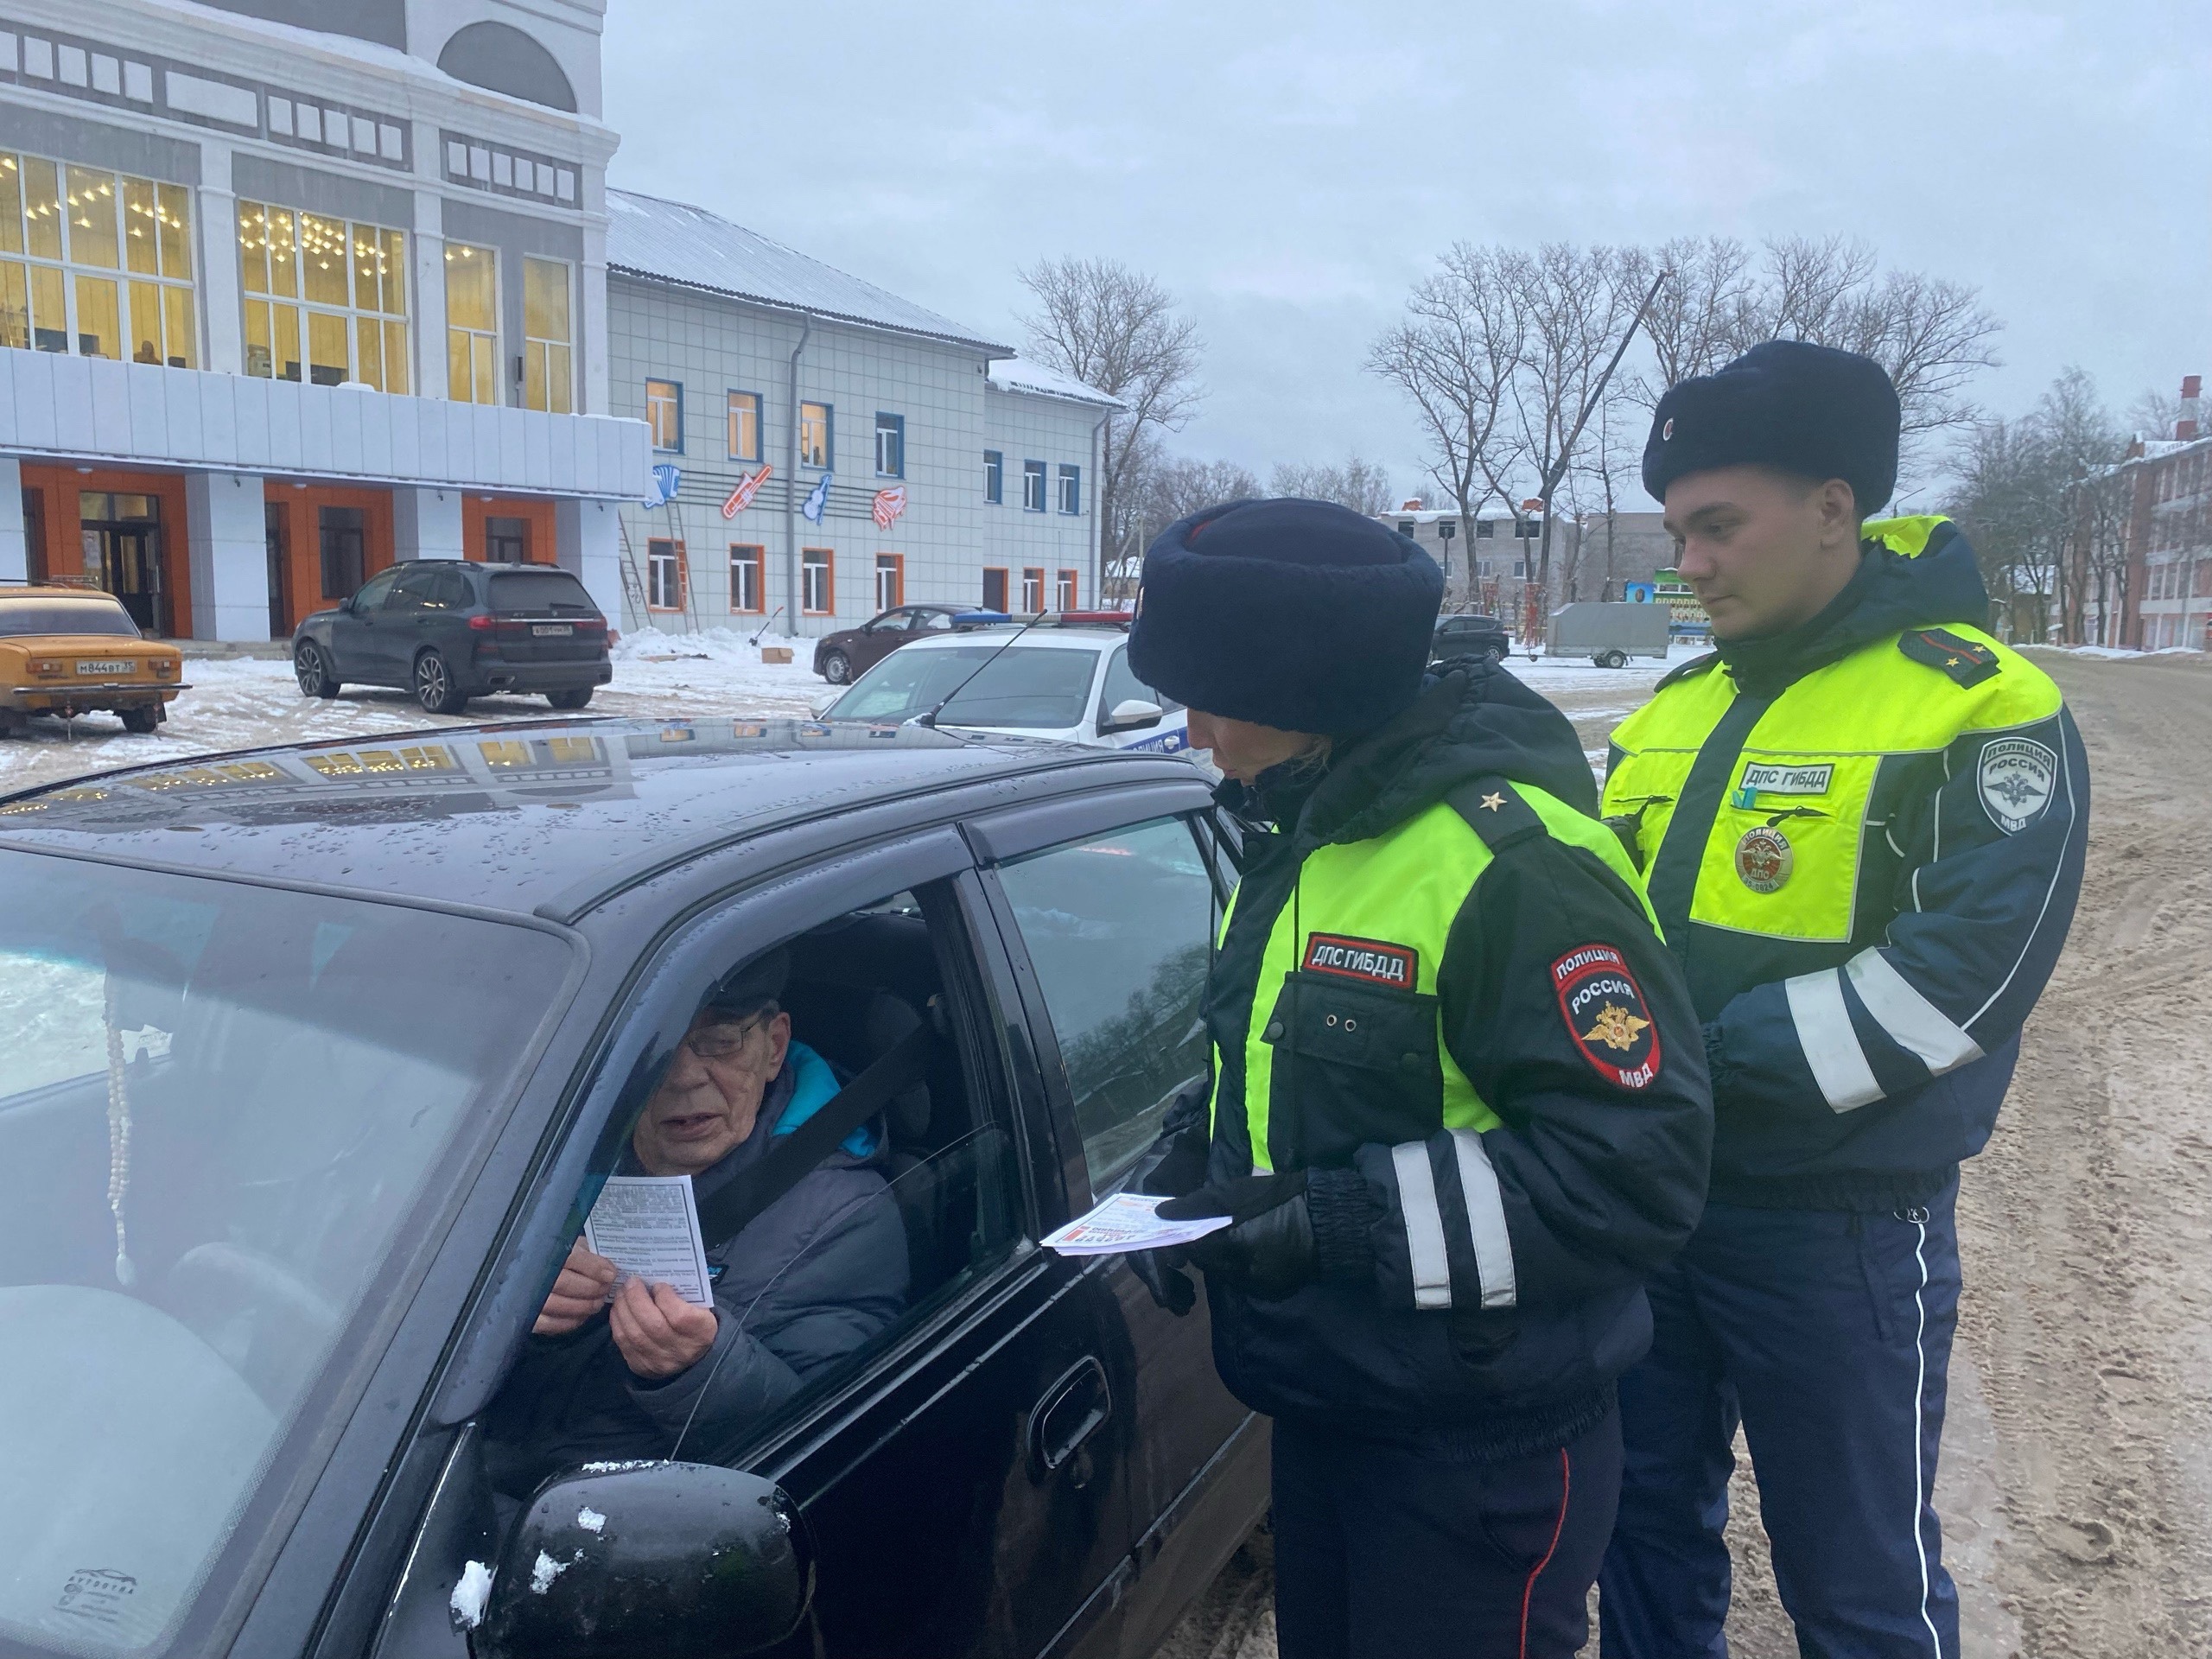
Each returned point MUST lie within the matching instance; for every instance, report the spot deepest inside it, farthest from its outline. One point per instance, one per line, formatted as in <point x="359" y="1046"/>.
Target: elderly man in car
<point x="614" y="1372"/>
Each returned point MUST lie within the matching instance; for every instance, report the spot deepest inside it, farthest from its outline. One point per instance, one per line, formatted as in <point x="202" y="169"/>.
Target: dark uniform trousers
<point x="1393" y="1552"/>
<point x="1828" y="1335"/>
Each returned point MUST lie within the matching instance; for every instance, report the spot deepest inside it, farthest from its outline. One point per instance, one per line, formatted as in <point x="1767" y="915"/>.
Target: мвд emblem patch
<point x="1606" y="1016"/>
<point x="2016" y="778"/>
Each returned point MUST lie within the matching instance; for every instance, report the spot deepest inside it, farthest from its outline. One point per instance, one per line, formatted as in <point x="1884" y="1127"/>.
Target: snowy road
<point x="250" y="702"/>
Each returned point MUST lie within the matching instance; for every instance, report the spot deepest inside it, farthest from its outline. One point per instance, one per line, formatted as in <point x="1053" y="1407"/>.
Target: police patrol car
<point x="1066" y="677"/>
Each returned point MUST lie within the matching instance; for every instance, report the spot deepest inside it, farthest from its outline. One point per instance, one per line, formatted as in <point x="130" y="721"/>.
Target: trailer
<point x="1608" y="634"/>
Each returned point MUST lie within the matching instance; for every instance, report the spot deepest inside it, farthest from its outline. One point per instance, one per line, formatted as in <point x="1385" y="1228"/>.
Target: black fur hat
<point x="1808" y="410"/>
<point x="1302" y="615"/>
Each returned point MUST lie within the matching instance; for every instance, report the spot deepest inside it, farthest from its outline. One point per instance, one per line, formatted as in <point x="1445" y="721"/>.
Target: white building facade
<point x="827" y="450"/>
<point x="291" y="290"/>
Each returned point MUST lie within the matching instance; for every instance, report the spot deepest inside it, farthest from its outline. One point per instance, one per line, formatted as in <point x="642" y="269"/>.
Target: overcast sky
<point x="1288" y="170"/>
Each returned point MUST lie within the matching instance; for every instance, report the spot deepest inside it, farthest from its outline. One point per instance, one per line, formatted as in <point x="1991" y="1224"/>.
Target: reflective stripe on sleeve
<point x="1913" y="1022"/>
<point x="1432" y="1268"/>
<point x="1485" y="1219"/>
<point x="1831" y="1050"/>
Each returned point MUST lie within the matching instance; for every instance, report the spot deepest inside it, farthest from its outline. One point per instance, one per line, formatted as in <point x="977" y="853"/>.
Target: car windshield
<point x="225" y="1112"/>
<point x="21" y="617"/>
<point x="541" y="590"/>
<point x="1041" y="687"/>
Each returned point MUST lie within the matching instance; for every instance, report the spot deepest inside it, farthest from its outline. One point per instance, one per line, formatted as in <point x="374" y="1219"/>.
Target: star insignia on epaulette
<point x="1493" y="802"/>
<point x="1966" y="662"/>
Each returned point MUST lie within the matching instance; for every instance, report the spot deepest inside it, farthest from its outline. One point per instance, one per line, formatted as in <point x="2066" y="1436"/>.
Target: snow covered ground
<point x="247" y="702"/>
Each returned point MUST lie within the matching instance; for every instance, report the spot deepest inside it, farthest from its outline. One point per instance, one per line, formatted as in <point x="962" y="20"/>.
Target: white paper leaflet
<point x="1127" y="1222"/>
<point x="648" y="1227"/>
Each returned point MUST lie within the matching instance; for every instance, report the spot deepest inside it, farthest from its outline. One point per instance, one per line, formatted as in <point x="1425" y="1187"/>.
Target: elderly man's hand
<point x="579" y="1293"/>
<point x="658" y="1332"/>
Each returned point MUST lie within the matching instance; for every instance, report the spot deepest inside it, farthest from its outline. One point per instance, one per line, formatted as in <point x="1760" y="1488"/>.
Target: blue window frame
<point x="1032" y="486"/>
<point x="664" y="415"/>
<point x="890" y="445"/>
<point x="994" y="476"/>
<point x="745" y="426"/>
<point x="816" y="436"/>
<point x="1070" y="489"/>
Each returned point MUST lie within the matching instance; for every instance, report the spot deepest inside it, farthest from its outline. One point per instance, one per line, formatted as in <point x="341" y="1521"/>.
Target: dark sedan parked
<point x="449" y="630"/>
<point x="312" y="1061"/>
<point x="838" y="657"/>
<point x="1467" y="634"/>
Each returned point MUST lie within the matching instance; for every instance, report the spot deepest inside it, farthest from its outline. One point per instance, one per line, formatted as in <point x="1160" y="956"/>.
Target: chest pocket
<point x="1353" y="1063"/>
<point x="1787" y="845"/>
<point x="1640" y="793"/>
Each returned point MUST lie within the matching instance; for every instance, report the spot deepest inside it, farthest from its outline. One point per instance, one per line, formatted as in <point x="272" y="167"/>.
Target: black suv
<point x="449" y="630"/>
<point x="1469" y="635"/>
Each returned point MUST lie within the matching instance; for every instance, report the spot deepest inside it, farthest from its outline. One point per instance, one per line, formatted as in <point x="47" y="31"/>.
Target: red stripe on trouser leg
<point x="1529" y="1590"/>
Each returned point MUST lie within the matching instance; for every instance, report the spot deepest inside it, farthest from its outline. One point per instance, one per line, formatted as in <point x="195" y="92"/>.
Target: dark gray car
<point x="449" y="630"/>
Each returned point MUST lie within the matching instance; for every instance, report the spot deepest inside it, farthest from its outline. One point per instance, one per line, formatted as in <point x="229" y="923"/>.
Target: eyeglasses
<point x="723" y="1042"/>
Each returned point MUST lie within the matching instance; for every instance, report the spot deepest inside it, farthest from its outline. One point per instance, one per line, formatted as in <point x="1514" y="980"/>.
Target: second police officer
<point x="1460" y="1108"/>
<point x="1862" y="823"/>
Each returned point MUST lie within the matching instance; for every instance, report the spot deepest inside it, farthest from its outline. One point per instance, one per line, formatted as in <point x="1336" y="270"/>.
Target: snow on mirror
<point x="226" y="1114"/>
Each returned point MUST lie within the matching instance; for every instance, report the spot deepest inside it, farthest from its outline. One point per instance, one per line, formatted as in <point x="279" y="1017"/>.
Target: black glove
<point x="1268" y="1251"/>
<point x="1160" y="1273"/>
<point x="1175" y="1163"/>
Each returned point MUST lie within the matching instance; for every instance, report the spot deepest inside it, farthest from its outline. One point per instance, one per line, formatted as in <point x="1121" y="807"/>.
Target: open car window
<point x="909" y="1207"/>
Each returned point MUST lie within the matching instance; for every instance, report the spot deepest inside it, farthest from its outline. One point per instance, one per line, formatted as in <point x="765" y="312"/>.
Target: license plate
<point x="552" y="630"/>
<point x="105" y="668"/>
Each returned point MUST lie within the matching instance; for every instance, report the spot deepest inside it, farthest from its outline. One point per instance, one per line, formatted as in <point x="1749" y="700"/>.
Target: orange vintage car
<point x="71" y="650"/>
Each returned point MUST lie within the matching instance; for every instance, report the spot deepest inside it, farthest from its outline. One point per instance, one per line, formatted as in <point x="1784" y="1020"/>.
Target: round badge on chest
<point x="1763" y="859"/>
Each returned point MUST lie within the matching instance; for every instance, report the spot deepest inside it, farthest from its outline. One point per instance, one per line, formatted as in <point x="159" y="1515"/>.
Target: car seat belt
<point x="726" y="1212"/>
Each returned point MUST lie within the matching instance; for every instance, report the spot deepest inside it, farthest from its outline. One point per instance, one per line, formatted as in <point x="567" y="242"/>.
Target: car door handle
<point x="1071" y="1412"/>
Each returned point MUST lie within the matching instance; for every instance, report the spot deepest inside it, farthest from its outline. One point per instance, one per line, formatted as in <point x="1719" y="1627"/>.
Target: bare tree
<point x="1118" y="330"/>
<point x="1457" y="355"/>
<point x="1363" y="485"/>
<point x="1932" y="334"/>
<point x="1579" y="313"/>
<point x="1698" y="321"/>
<point x="1161" y="488"/>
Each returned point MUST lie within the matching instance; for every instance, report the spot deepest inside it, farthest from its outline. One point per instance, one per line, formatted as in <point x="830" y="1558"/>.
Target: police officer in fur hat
<point x="1860" y="823"/>
<point x="1459" y="1109"/>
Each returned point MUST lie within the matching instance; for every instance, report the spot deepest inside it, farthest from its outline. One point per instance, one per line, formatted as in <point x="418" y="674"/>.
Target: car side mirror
<point x="1131" y="714"/>
<point x="683" y="1561"/>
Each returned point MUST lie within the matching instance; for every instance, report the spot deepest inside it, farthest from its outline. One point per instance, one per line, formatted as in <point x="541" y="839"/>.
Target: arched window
<point x="505" y="60"/>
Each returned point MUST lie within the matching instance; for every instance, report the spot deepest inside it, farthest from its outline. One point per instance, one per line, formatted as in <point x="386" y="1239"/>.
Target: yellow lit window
<point x="95" y="263"/>
<point x="325" y="299"/>
<point x="472" y="324"/>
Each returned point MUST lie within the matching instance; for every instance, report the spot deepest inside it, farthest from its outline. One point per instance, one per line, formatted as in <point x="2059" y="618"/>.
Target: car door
<point x="403" y="626"/>
<point x="877" y="639"/>
<point x="354" y="640"/>
<point x="1110" y="910"/>
<point x="962" y="1476"/>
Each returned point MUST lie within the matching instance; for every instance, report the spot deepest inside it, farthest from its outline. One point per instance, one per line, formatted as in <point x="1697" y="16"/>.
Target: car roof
<point x="51" y="591"/>
<point x="545" y="816"/>
<point x="999" y="633"/>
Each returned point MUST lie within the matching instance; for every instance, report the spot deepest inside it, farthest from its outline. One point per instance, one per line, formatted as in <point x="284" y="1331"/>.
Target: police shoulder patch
<point x="1606" y="1016"/>
<point x="1962" y="659"/>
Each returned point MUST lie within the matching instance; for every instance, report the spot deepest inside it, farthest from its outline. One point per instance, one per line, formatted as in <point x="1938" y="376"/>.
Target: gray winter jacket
<point x="808" y="1281"/>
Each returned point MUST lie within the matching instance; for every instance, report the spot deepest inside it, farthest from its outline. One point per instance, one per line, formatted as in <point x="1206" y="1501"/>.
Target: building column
<point x="587" y="537"/>
<point x="430" y="281"/>
<point x="220" y="297"/>
<point x="426" y="524"/>
<point x="15" y="544"/>
<point x="227" y="547"/>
